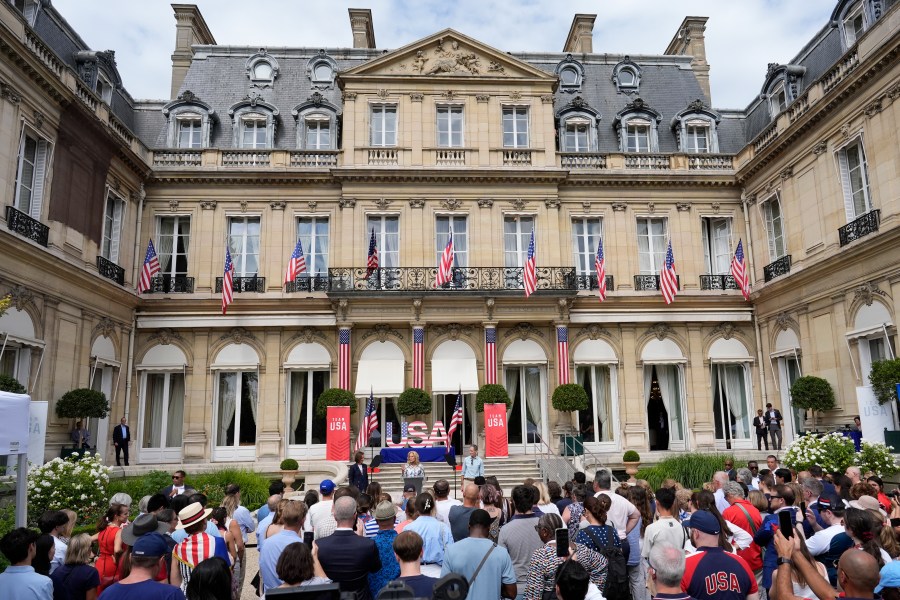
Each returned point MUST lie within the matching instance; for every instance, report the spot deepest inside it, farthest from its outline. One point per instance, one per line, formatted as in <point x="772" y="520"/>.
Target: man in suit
<point x="346" y="557"/>
<point x="358" y="475"/>
<point x="177" y="486"/>
<point x="762" y="429"/>
<point x="121" y="439"/>
<point x="774" y="419"/>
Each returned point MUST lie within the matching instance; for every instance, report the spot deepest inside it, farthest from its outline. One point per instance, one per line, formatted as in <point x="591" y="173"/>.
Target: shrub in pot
<point x="632" y="461"/>
<point x="631" y="456"/>
<point x="491" y="393"/>
<point x="289" y="468"/>
<point x="884" y="377"/>
<point x="413" y="401"/>
<point x="334" y="397"/>
<point x="81" y="404"/>
<point x="812" y="393"/>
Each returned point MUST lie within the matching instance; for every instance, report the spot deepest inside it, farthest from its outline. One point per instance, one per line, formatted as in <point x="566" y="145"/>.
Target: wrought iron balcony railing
<point x="718" y="282"/>
<point x="860" y="227"/>
<point x="777" y="268"/>
<point x="649" y="283"/>
<point x="307" y="283"/>
<point x="471" y="279"/>
<point x="589" y="282"/>
<point x="243" y="284"/>
<point x="27" y="227"/>
<point x="111" y="270"/>
<point x="168" y="284"/>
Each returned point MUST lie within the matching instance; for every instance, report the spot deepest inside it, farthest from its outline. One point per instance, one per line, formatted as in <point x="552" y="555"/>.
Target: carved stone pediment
<point x="523" y="331"/>
<point x="105" y="327"/>
<point x="237" y="335"/>
<point x="308" y="335"/>
<point x="726" y="330"/>
<point x="866" y="293"/>
<point x="21" y="297"/>
<point x="783" y="321"/>
<point x="660" y="330"/>
<point x="165" y="336"/>
<point x="381" y="332"/>
<point x="593" y="332"/>
<point x="453" y="330"/>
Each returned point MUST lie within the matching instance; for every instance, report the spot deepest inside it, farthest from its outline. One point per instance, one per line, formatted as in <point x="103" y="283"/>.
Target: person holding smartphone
<point x="556" y="550"/>
<point x="781" y="501"/>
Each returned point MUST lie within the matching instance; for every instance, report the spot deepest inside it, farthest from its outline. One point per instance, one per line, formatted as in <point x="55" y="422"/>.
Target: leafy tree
<point x="812" y="393"/>
<point x="884" y="377"/>
<point x="82" y="403"/>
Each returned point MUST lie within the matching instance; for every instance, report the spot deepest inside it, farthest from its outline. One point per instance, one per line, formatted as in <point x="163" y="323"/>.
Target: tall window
<point x="318" y="132"/>
<point x="516" y="237"/>
<point x="696" y="137"/>
<point x="442" y="226"/>
<point x="717" y="245"/>
<point x="190" y="131"/>
<point x="637" y="136"/>
<point x="313" y="234"/>
<point x="243" y="241"/>
<point x="854" y="180"/>
<point x="104" y="88"/>
<point x="173" y="243"/>
<point x="383" y="126"/>
<point x="777" y="100"/>
<point x="651" y="245"/>
<point x="32" y="168"/>
<point x="855" y="24"/>
<point x="253" y="131"/>
<point x="597" y="423"/>
<point x="112" y="228"/>
<point x="303" y="425"/>
<point x="387" y="236"/>
<point x="585" y="238"/>
<point x="576" y="136"/>
<point x="731" y="411"/>
<point x="515" y="127"/>
<point x="238" y="399"/>
<point x="163" y="414"/>
<point x="774" y="228"/>
<point x="450" y="126"/>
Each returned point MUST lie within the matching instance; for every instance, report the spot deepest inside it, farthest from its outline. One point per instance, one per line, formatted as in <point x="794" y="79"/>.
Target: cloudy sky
<point x="742" y="37"/>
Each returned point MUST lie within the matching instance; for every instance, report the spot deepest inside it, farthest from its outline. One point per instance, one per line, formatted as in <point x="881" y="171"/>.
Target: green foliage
<point x="812" y="393"/>
<point x="7" y="524"/>
<point x="631" y="456"/>
<point x="884" y="377"/>
<point x="82" y="403"/>
<point x="289" y="464"/>
<point x="876" y="458"/>
<point x="79" y="482"/>
<point x="491" y="393"/>
<point x="692" y="470"/>
<point x="138" y="487"/>
<point x="413" y="401"/>
<point x="334" y="397"/>
<point x="570" y="397"/>
<point x="254" y="487"/>
<point x="832" y="452"/>
<point x="10" y="384"/>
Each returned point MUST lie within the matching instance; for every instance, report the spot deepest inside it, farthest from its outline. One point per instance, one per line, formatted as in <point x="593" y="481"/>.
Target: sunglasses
<point x="753" y="468"/>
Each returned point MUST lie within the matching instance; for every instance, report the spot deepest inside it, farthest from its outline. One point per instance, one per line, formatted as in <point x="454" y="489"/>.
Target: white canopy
<point x="870" y="319"/>
<point x="524" y="352"/>
<point x="16" y="326"/>
<point x="593" y="352"/>
<point x="308" y="355"/>
<point x="732" y="351"/>
<point x="163" y="357"/>
<point x="104" y="351"/>
<point x="786" y="342"/>
<point x="661" y="351"/>
<point x="454" y="369"/>
<point x="381" y="370"/>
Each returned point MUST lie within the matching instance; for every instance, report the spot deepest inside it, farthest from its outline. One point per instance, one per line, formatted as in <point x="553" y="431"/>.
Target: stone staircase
<point x="510" y="472"/>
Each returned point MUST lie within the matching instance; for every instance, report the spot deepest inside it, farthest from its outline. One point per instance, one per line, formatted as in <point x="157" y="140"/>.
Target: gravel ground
<point x="251" y="556"/>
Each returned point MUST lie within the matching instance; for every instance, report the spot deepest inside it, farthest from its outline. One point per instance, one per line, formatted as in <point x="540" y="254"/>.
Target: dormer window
<point x="627" y="76"/>
<point x="576" y="137"/>
<point x="577" y="126"/>
<point x="855" y="17"/>
<point x="189" y="120"/>
<point x="321" y="70"/>
<point x="318" y="132"/>
<point x="262" y="69"/>
<point x="253" y="130"/>
<point x="636" y="126"/>
<point x="190" y="130"/>
<point x="778" y="100"/>
<point x="104" y="88"/>
<point x="317" y="123"/>
<point x="637" y="136"/>
<point x="782" y="86"/>
<point x="695" y="129"/>
<point x="254" y="122"/>
<point x="571" y="75"/>
<point x="28" y="8"/>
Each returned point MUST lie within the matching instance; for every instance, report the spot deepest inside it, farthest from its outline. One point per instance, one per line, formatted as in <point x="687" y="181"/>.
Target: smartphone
<point x="784" y="523"/>
<point x="803" y="510"/>
<point x="562" y="542"/>
<point x="308" y="538"/>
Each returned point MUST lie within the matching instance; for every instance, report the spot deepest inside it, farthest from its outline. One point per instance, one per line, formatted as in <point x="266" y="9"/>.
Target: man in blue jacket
<point x="782" y="499"/>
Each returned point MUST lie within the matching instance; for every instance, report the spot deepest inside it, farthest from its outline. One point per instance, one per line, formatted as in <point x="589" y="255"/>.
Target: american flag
<point x="562" y="349"/>
<point x="600" y="266"/>
<point x="418" y="357"/>
<point x="529" y="274"/>
<point x="372" y="262"/>
<point x="227" y="281"/>
<point x="490" y="353"/>
<point x="369" y="424"/>
<point x="456" y="419"/>
<point x="150" y="268"/>
<point x="445" y="269"/>
<point x="344" y="359"/>
<point x="297" y="264"/>
<point x="404" y="431"/>
<point x="739" y="270"/>
<point x="668" y="279"/>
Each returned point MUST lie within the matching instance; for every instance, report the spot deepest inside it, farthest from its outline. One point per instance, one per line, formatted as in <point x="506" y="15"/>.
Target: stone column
<point x="632" y="404"/>
<point x="269" y="413"/>
<point x="198" y="402"/>
<point x="698" y="393"/>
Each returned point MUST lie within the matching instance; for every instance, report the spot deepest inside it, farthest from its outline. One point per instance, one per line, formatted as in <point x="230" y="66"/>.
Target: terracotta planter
<point x="288" y="478"/>
<point x="632" y="468"/>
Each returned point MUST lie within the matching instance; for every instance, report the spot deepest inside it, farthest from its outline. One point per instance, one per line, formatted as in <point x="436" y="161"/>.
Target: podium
<point x="415" y="482"/>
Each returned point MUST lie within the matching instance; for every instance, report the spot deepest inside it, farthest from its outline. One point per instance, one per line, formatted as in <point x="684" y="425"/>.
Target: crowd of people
<point x="597" y="539"/>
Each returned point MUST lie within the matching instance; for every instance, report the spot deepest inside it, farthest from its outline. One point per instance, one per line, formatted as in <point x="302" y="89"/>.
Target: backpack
<point x="616" y="587"/>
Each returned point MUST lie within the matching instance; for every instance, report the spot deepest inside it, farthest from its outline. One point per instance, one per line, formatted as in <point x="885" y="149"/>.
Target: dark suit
<point x="348" y="559"/>
<point x="121" y="442"/>
<point x="358" y="477"/>
<point x="762" y="430"/>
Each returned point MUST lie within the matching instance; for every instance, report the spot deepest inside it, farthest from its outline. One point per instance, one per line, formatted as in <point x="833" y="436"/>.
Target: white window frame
<point x="585" y="259"/>
<point x="736" y="442"/>
<point x="260" y="123"/>
<point x="655" y="258"/>
<point x="104" y="87"/>
<point x="460" y="239"/>
<point x="316" y="124"/>
<point x="850" y="35"/>
<point x="692" y="136"/>
<point x="304" y="448"/>
<point x="18" y="358"/>
<point x="380" y="134"/>
<point x="192" y="124"/>
<point x="774" y="228"/>
<point x="28" y="8"/>
<point x="633" y="129"/>
<point x="575" y="128"/>
<point x="236" y="451"/>
<point x="516" y="112"/>
<point x="161" y="453"/>
<point x="172" y="271"/>
<point x="316" y="262"/>
<point x="613" y="417"/>
<point x="38" y="182"/>
<point x="379" y="223"/>
<point x="265" y="79"/>
<point x="621" y="84"/>
<point x="778" y="99"/>
<point x="113" y="218"/>
<point x="847" y="184"/>
<point x="239" y="252"/>
<point x="711" y="253"/>
<point x="524" y="224"/>
<point x="444" y="114"/>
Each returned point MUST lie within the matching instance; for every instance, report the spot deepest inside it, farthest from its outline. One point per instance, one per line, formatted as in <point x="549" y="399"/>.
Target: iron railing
<point x="27" y="227"/>
<point x="860" y="227"/>
<point x="718" y="282"/>
<point x="243" y="284"/>
<point x="423" y="279"/>
<point x="780" y="267"/>
<point x="111" y="270"/>
<point x="307" y="283"/>
<point x="590" y="282"/>
<point x="169" y="284"/>
<point x="649" y="283"/>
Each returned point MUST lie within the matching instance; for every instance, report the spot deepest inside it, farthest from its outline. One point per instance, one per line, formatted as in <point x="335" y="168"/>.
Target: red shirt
<point x="734" y="514"/>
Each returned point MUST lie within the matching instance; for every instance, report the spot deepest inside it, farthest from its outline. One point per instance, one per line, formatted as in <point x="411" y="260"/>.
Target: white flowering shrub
<point x="832" y="452"/>
<point x="876" y="458"/>
<point x="78" y="482"/>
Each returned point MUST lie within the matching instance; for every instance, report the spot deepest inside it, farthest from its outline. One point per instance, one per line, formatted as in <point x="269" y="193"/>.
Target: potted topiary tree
<point x="412" y="402"/>
<point x="11" y="385"/>
<point x="81" y="404"/>
<point x="813" y="394"/>
<point x="885" y="377"/>
<point x="567" y="398"/>
<point x="491" y="393"/>
<point x="334" y="397"/>
<point x="631" y="460"/>
<point x="289" y="469"/>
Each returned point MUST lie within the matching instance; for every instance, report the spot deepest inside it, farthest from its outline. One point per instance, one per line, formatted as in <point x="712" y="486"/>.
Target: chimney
<point x="689" y="41"/>
<point x="581" y="35"/>
<point x="361" y="25"/>
<point x="190" y="29"/>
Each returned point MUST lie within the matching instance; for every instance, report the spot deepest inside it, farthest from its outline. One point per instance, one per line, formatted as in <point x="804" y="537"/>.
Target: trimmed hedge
<point x="570" y="397"/>
<point x="812" y="393"/>
<point x="491" y="393"/>
<point x="414" y="401"/>
<point x="631" y="456"/>
<point x="289" y="464"/>
<point x="334" y="397"/>
<point x="82" y="403"/>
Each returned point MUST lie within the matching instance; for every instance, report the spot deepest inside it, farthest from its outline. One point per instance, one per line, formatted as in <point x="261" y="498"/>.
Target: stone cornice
<point x="258" y="177"/>
<point x="377" y="175"/>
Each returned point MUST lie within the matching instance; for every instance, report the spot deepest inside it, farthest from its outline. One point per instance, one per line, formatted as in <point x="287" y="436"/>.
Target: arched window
<point x="695" y="129"/>
<point x="782" y="86"/>
<point x="636" y="126"/>
<point x="627" y="76"/>
<point x="189" y="122"/>
<point x="254" y="123"/>
<point x="577" y="123"/>
<point x="262" y="69"/>
<point x="317" y="124"/>
<point x="855" y="17"/>
<point x="571" y="75"/>
<point x="321" y="70"/>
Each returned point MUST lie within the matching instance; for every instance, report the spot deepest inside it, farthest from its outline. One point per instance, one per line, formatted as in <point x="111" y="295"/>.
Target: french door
<point x="305" y="430"/>
<point x="235" y="415"/>
<point x="526" y="418"/>
<point x="161" y="417"/>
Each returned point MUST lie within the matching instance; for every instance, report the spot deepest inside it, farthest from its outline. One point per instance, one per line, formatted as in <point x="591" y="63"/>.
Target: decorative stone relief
<point x="552" y="202"/>
<point x="244" y="205"/>
<point x="547" y="98"/>
<point x="115" y="183"/>
<point x="874" y="108"/>
<point x="341" y="308"/>
<point x="453" y="330"/>
<point x="417" y="203"/>
<point x="485" y="203"/>
<point x="383" y="94"/>
<point x="523" y="331"/>
<point x="651" y="207"/>
<point x="619" y="206"/>
<point x="482" y="97"/>
<point x="449" y="95"/>
<point x="867" y="292"/>
<point x="515" y="95"/>
<point x="489" y="306"/>
<point x="563" y="305"/>
<point x="349" y="95"/>
<point x="8" y="93"/>
<point x="346" y="203"/>
<point x="845" y="130"/>
<point x="317" y="99"/>
<point x="726" y="330"/>
<point x="39" y="119"/>
<point x="518" y="204"/>
<point x="277" y="204"/>
<point x="495" y="67"/>
<point x="786" y="173"/>
<point x="783" y="321"/>
<point x="307" y="335"/>
<point x="312" y="205"/>
<point x="173" y="204"/>
<point x="683" y="206"/>
<point x="417" y="308"/>
<point x="716" y="207"/>
<point x="593" y="332"/>
<point x="165" y="336"/>
<point x="416" y="96"/>
<point x="237" y="335"/>
<point x="586" y="206"/>
<point x="105" y="327"/>
<point x="893" y="92"/>
<point x="451" y="204"/>
<point x="381" y="332"/>
<point x="660" y="330"/>
<point x="208" y="204"/>
<point x="382" y="203"/>
<point x="820" y="148"/>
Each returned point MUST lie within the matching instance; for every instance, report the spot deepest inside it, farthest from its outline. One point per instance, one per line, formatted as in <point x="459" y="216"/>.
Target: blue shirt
<point x="390" y="568"/>
<point x="472" y="467"/>
<point x="436" y="537"/>
<point x="268" y="557"/>
<point x="765" y="538"/>
<point x="245" y="521"/>
<point x="465" y="556"/>
<point x="144" y="590"/>
<point x="22" y="583"/>
<point x="263" y="512"/>
<point x="261" y="530"/>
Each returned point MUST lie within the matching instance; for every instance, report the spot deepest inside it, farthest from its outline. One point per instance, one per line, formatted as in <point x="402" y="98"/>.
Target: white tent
<point x="14" y="427"/>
